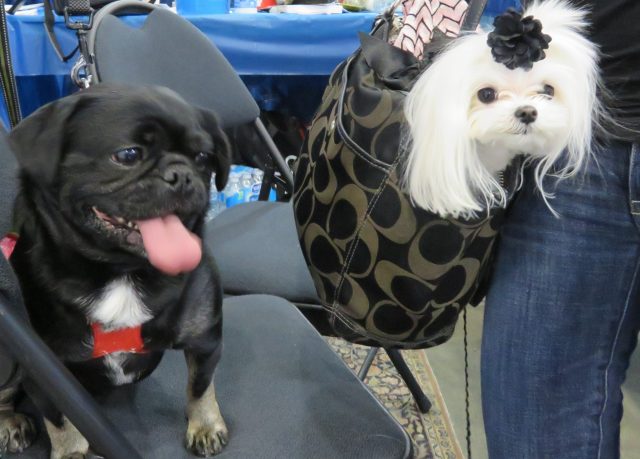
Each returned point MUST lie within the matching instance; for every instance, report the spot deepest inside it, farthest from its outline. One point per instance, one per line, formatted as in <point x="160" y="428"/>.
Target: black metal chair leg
<point x="275" y="155"/>
<point x="61" y="388"/>
<point x="366" y="365"/>
<point x="424" y="405"/>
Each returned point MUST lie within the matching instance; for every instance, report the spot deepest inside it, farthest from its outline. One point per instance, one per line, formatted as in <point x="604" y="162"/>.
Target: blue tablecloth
<point x="255" y="44"/>
<point x="284" y="59"/>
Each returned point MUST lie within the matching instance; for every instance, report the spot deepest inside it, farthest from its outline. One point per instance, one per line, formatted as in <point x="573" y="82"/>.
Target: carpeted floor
<point x="432" y="433"/>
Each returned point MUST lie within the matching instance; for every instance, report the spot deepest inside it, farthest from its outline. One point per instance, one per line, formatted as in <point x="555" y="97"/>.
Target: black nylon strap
<point x="71" y="8"/>
<point x="9" y="88"/>
<point x="78" y="7"/>
<point x="466" y="381"/>
<point x="14" y="7"/>
<point x="474" y="13"/>
<point x="49" y="21"/>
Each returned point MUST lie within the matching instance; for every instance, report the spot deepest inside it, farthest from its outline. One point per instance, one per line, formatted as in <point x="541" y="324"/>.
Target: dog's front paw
<point x="17" y="432"/>
<point x="207" y="439"/>
<point x="66" y="441"/>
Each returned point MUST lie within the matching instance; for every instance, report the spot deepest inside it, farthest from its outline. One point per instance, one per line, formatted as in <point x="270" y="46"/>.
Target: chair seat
<point x="282" y="391"/>
<point x="249" y="242"/>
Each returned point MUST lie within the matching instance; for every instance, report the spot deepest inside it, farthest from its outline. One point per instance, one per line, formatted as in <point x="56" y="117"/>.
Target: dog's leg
<point x="207" y="432"/>
<point x="66" y="441"/>
<point x="17" y="431"/>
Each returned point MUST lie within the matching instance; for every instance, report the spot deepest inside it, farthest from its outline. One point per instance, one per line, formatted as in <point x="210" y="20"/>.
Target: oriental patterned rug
<point x="432" y="433"/>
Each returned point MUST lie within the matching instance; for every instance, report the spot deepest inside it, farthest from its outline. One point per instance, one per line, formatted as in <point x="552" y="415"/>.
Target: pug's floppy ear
<point x="38" y="140"/>
<point x="222" y="148"/>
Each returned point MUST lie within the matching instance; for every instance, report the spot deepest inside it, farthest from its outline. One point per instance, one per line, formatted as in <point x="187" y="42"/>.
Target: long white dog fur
<point x="459" y="144"/>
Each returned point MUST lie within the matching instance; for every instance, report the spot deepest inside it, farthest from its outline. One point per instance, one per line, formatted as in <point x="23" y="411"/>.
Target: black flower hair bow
<point x="517" y="41"/>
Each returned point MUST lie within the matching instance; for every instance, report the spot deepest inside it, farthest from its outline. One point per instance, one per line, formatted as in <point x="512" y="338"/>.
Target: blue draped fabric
<point x="285" y="59"/>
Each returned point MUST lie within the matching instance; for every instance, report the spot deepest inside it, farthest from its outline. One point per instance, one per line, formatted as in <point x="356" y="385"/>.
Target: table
<point x="284" y="59"/>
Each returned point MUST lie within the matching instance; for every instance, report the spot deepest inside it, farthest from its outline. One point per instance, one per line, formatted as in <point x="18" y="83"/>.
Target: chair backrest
<point x="167" y="51"/>
<point x="9" y="290"/>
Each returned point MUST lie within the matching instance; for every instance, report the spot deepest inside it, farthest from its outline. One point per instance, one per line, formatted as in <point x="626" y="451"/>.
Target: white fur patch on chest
<point x="118" y="305"/>
<point x="115" y="371"/>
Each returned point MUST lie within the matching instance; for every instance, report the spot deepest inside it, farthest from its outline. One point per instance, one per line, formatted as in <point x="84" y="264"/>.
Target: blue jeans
<point x="562" y="315"/>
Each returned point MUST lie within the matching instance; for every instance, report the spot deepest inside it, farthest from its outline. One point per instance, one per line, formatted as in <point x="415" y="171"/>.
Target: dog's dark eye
<point x="548" y="90"/>
<point x="487" y="95"/>
<point x="201" y="158"/>
<point x="127" y="156"/>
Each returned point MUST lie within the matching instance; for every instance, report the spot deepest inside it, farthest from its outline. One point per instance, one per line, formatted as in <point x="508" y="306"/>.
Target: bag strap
<point x="71" y="8"/>
<point x="474" y="13"/>
<point x="9" y="88"/>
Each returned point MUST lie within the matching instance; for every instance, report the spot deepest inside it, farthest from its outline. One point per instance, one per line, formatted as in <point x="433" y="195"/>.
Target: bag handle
<point x="474" y="13"/>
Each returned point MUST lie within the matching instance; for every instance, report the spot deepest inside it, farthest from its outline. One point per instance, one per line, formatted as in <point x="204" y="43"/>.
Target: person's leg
<point x="562" y="316"/>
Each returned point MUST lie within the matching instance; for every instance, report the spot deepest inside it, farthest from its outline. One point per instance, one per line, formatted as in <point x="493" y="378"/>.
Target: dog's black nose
<point x="178" y="177"/>
<point x="527" y="114"/>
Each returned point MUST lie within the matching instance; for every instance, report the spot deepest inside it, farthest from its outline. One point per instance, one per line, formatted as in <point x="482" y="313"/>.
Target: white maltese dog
<point x="529" y="88"/>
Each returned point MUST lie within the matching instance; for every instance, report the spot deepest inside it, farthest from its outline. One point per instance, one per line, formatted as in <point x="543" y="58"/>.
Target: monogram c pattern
<point x="389" y="273"/>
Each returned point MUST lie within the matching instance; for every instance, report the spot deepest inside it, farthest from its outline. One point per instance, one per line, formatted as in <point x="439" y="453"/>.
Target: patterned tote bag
<point x="388" y="273"/>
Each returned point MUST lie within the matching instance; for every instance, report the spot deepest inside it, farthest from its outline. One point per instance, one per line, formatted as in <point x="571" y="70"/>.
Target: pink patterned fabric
<point x="423" y="17"/>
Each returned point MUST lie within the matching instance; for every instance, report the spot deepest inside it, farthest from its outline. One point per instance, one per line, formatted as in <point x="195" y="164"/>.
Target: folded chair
<point x="255" y="244"/>
<point x="283" y="392"/>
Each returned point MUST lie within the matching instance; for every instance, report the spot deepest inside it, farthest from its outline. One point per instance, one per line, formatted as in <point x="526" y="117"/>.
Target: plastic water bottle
<point x="243" y="185"/>
<point x="213" y="206"/>
<point x="214" y="201"/>
<point x="256" y="184"/>
<point x="246" y="185"/>
<point x="257" y="177"/>
<point x="233" y="192"/>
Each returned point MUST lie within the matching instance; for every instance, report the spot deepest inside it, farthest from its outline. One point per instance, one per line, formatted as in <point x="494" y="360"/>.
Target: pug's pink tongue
<point x="170" y="246"/>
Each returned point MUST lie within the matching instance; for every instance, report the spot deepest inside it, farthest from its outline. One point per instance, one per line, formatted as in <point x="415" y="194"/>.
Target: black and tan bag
<point x="388" y="273"/>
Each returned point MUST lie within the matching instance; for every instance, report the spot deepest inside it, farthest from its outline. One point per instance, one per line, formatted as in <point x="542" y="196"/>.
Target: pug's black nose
<point x="526" y="114"/>
<point x="179" y="177"/>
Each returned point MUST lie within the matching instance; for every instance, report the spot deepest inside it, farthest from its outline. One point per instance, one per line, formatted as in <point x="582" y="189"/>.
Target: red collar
<point x="121" y="340"/>
<point x="7" y="244"/>
<point x="104" y="342"/>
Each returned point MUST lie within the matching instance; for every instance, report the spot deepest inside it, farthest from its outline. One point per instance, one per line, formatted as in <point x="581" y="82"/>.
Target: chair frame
<point x="60" y="387"/>
<point x="422" y="401"/>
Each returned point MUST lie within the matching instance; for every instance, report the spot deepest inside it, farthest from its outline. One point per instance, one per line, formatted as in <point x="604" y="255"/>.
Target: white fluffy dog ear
<point x="443" y="173"/>
<point x="569" y="47"/>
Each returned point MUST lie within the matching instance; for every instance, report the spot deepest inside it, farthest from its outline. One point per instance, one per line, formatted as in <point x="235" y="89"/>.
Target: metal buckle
<point x="77" y="25"/>
<point x="80" y="74"/>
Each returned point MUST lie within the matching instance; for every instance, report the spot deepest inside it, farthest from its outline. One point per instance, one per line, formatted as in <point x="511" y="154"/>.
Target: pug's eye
<point x="487" y="95"/>
<point x="201" y="158"/>
<point x="548" y="90"/>
<point x="127" y="156"/>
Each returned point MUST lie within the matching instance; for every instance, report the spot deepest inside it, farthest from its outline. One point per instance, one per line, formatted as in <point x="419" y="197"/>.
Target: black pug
<point x="114" y="188"/>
